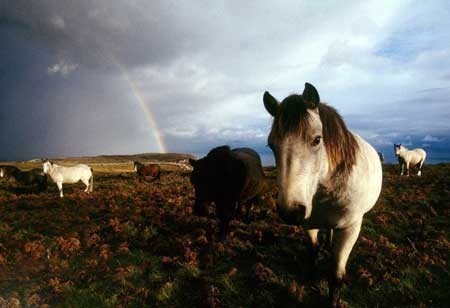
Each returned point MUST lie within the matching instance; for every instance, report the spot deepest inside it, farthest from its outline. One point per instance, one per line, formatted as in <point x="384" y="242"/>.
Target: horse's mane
<point x="340" y="143"/>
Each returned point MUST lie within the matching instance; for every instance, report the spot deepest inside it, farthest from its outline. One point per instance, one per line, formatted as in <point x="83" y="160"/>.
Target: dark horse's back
<point x="254" y="174"/>
<point x="33" y="177"/>
<point x="153" y="170"/>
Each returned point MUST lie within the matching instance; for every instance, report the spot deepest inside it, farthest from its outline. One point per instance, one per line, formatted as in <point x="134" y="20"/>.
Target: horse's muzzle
<point x="293" y="215"/>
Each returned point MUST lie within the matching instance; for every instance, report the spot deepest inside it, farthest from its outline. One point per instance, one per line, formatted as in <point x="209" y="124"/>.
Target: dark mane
<point x="339" y="142"/>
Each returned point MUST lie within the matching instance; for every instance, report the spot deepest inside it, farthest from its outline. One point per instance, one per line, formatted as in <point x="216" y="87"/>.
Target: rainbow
<point x="140" y="99"/>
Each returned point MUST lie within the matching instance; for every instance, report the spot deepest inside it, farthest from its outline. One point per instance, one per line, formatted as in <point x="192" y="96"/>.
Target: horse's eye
<point x="317" y="140"/>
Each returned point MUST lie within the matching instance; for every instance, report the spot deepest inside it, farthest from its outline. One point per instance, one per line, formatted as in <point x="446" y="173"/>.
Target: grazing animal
<point x="62" y="174"/>
<point x="228" y="178"/>
<point x="407" y="157"/>
<point x="33" y="177"/>
<point x="7" y="170"/>
<point x="381" y="156"/>
<point x="328" y="177"/>
<point x="152" y="170"/>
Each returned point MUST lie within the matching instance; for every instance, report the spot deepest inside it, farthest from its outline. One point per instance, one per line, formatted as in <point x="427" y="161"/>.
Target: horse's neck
<point x="54" y="169"/>
<point x="402" y="152"/>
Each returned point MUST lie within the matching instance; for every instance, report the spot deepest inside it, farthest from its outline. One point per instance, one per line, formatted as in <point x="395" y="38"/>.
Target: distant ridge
<point x="105" y="159"/>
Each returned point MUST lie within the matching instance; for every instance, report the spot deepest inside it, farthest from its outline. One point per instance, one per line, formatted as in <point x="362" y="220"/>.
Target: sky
<point x="122" y="77"/>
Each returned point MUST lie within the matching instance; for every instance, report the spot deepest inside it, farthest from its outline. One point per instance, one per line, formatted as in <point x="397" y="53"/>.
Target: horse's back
<point x="251" y="160"/>
<point x="416" y="156"/>
<point x="254" y="174"/>
<point x="73" y="174"/>
<point x="421" y="153"/>
<point x="148" y="170"/>
<point x="247" y="152"/>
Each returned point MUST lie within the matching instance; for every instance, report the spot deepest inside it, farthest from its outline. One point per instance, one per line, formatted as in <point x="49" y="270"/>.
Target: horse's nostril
<point x="301" y="210"/>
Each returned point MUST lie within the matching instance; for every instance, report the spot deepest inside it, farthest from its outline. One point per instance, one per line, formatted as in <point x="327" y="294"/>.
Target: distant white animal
<point x="407" y="157"/>
<point x="62" y="174"/>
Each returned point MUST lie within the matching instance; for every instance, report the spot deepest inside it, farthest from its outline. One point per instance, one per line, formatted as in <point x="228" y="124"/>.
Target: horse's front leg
<point x="407" y="169"/>
<point x="343" y="242"/>
<point x="60" y="188"/>
<point x="313" y="250"/>
<point x="224" y="211"/>
<point x="403" y="167"/>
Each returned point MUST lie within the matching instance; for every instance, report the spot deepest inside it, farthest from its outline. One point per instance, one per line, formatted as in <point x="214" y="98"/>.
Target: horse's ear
<point x="271" y="104"/>
<point x="311" y="96"/>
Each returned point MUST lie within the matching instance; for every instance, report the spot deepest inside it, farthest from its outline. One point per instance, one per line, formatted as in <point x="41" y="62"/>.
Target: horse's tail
<point x="91" y="181"/>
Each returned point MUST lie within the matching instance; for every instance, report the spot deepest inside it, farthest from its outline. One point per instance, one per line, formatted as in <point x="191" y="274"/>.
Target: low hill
<point x="120" y="159"/>
<point x="113" y="163"/>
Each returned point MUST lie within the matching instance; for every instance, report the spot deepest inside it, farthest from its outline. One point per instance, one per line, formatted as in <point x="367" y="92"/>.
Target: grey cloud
<point x="201" y="68"/>
<point x="89" y="32"/>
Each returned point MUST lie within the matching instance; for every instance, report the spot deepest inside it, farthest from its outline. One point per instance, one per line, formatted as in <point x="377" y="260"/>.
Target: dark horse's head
<point x="7" y="171"/>
<point x="201" y="178"/>
<point x="136" y="165"/>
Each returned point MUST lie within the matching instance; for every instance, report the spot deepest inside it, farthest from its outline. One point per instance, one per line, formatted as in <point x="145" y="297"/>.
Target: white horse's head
<point x="296" y="140"/>
<point x="310" y="142"/>
<point x="398" y="148"/>
<point x="46" y="166"/>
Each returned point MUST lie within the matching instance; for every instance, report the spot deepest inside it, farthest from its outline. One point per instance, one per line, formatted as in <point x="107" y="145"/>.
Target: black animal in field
<point x="229" y="178"/>
<point x="34" y="177"/>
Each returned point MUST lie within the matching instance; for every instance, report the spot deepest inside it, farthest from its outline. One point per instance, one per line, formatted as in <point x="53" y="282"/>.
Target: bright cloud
<point x="63" y="68"/>
<point x="429" y="138"/>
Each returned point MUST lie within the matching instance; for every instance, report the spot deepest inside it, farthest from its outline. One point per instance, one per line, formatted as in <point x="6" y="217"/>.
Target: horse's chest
<point x="329" y="210"/>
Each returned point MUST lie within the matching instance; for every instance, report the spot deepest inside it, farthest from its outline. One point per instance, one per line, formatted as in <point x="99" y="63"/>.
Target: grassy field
<point x="136" y="244"/>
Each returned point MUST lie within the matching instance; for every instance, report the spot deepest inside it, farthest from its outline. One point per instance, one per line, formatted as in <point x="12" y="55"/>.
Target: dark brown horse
<point x="34" y="177"/>
<point x="228" y="178"/>
<point x="143" y="171"/>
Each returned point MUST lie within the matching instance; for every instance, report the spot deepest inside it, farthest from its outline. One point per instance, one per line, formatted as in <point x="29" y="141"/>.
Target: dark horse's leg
<point x="248" y="206"/>
<point x="157" y="177"/>
<point x="42" y="186"/>
<point x="329" y="238"/>
<point x="225" y="211"/>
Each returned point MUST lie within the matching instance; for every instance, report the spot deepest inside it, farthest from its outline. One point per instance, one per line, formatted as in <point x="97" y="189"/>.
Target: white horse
<point x="328" y="177"/>
<point x="62" y="174"/>
<point x="407" y="157"/>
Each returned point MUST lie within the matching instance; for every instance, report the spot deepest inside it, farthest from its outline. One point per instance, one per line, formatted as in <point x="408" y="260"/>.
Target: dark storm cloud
<point x="136" y="32"/>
